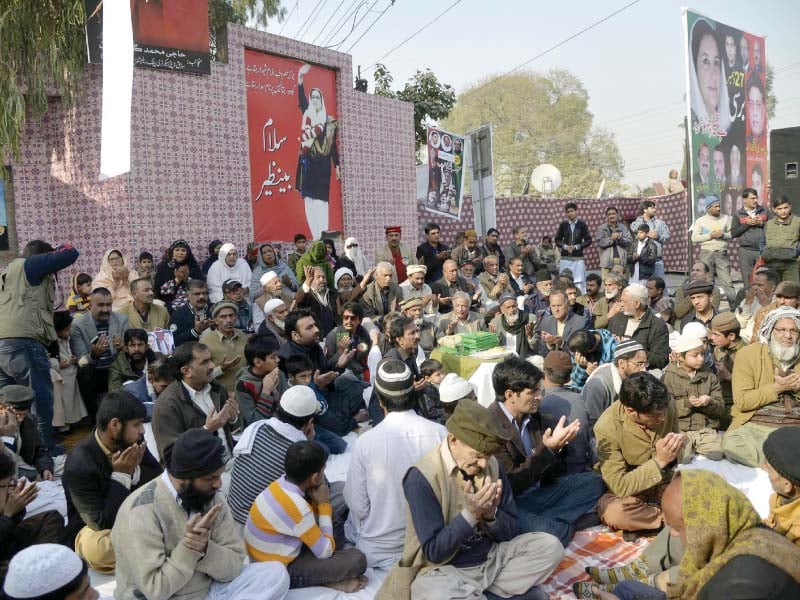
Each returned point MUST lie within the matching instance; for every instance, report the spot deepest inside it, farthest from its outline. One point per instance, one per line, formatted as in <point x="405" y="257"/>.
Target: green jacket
<point x="778" y="235"/>
<point x="681" y="387"/>
<point x="26" y="311"/>
<point x="315" y="257"/>
<point x="626" y="451"/>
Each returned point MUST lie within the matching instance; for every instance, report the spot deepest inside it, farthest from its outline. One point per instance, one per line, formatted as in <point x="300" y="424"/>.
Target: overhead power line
<point x="289" y="16"/>
<point x="416" y="33"/>
<point x="297" y="35"/>
<point x="314" y="16"/>
<point x="328" y="21"/>
<point x="355" y="24"/>
<point x="554" y="47"/>
<point x="378" y="18"/>
<point x="342" y="20"/>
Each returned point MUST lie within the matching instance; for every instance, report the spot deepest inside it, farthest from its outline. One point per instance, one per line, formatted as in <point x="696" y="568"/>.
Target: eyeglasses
<point x="353" y="246"/>
<point x="640" y="363"/>
<point x="790" y="332"/>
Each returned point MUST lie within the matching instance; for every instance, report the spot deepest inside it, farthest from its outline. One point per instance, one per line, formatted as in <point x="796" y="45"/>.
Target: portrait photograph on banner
<point x="293" y="137"/>
<point x="727" y="112"/>
<point x="445" y="173"/>
<point x="171" y="35"/>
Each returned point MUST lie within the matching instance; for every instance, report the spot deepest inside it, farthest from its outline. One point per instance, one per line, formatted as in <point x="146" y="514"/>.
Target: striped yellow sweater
<point x="281" y="520"/>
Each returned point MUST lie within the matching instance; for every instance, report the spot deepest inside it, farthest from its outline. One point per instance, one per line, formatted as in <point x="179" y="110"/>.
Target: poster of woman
<point x="445" y="167"/>
<point x="293" y="137"/>
<point x="726" y="107"/>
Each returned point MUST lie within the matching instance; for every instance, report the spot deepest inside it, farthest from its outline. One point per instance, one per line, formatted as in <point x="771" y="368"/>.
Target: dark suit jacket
<point x="181" y="323"/>
<point x="548" y="324"/>
<point x="175" y="413"/>
<point x="652" y="333"/>
<point x="522" y="470"/>
<point x="31" y="449"/>
<point x="93" y="498"/>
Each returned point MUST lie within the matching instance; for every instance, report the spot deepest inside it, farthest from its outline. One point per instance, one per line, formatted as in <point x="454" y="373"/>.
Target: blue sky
<point x="632" y="65"/>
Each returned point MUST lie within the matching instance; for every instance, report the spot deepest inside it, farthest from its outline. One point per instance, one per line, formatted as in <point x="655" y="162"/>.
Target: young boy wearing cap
<point x="724" y="337"/>
<point x="259" y="386"/>
<point x="452" y="390"/>
<point x="48" y="572"/>
<point x="697" y="395"/>
<point x="175" y="537"/>
<point x="781" y="449"/>
<point x="291" y="523"/>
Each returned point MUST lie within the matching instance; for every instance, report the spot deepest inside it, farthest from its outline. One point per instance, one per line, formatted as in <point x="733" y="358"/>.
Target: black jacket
<point x="181" y="323"/>
<point x="750" y="236"/>
<point x="31" y="449"/>
<point x="580" y="238"/>
<point x="652" y="333"/>
<point x="93" y="498"/>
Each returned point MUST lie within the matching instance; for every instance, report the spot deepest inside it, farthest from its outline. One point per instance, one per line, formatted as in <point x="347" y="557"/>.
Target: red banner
<point x="292" y="125"/>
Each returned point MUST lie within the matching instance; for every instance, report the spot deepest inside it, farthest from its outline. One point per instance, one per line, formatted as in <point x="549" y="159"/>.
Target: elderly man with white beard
<point x="274" y="319"/>
<point x="415" y="287"/>
<point x="766" y="387"/>
<point x="514" y="327"/>
<point x="636" y="321"/>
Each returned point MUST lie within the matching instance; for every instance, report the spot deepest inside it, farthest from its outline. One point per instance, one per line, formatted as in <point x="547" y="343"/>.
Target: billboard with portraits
<point x="726" y="77"/>
<point x="293" y="136"/>
<point x="445" y="173"/>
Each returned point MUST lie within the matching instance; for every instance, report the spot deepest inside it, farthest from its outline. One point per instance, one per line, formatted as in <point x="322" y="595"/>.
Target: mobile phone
<point x="95" y="339"/>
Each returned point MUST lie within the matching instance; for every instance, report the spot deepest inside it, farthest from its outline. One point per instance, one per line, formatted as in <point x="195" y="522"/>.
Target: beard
<point x="784" y="354"/>
<point x="512" y="318"/>
<point x="193" y="500"/>
<point x="346" y="288"/>
<point x="136" y="357"/>
<point x="278" y="323"/>
<point x="610" y="295"/>
<point x="419" y="321"/>
<point x="121" y="444"/>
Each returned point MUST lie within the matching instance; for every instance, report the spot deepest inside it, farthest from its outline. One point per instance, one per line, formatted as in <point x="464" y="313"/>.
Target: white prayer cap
<point x="685" y="342"/>
<point x="695" y="329"/>
<point x="272" y="305"/>
<point x="454" y="388"/>
<point x="41" y="569"/>
<point x="267" y="277"/>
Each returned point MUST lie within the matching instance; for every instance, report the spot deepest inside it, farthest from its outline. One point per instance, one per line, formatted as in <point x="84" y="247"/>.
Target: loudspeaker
<point x="784" y="159"/>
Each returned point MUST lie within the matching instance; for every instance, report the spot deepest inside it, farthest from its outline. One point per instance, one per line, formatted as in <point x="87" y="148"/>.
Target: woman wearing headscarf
<point x="728" y="553"/>
<point x="116" y="277"/>
<point x="315" y="257"/>
<point x="173" y="273"/>
<point x="318" y="151"/>
<point x="228" y="266"/>
<point x="213" y="250"/>
<point x="709" y="92"/>
<point x="355" y="254"/>
<point x="266" y="262"/>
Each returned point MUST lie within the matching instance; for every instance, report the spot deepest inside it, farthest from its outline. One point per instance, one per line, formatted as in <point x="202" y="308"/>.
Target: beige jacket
<point x="153" y="562"/>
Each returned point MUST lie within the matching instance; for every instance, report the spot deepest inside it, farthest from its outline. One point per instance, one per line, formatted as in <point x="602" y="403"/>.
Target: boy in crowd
<point x="724" y="336"/>
<point x="145" y="266"/>
<point x="430" y="405"/>
<point x="291" y="522"/>
<point x="78" y="301"/>
<point x="697" y="395"/>
<point x="300" y="371"/>
<point x="260" y="385"/>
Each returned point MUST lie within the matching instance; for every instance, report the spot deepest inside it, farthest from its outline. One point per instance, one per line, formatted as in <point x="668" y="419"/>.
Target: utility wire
<point x="551" y="48"/>
<point x="313" y="18"/>
<point x="297" y="35"/>
<point x="327" y="22"/>
<point x="355" y="24"/>
<point x="416" y="33"/>
<point x="289" y="16"/>
<point x="378" y="18"/>
<point x="344" y="19"/>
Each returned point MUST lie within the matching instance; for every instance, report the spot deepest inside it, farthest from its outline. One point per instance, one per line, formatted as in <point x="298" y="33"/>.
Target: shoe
<point x="586" y="521"/>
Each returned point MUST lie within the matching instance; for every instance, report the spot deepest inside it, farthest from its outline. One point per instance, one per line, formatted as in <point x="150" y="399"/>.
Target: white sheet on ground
<point x="753" y="482"/>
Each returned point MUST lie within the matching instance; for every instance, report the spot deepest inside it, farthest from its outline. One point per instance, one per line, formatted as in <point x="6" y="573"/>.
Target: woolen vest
<point x="26" y="311"/>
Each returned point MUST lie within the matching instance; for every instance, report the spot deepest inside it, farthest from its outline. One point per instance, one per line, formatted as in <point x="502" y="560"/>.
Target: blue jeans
<point x="553" y="508"/>
<point x="24" y="361"/>
<point x="329" y="440"/>
<point x="636" y="590"/>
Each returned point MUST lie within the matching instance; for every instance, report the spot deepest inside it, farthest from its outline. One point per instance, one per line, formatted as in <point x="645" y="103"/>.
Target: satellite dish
<point x="546" y="179"/>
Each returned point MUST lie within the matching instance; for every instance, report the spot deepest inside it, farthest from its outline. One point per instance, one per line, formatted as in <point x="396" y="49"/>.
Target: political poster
<point x="726" y="77"/>
<point x="170" y="35"/>
<point x="293" y="137"/>
<point x="445" y="173"/>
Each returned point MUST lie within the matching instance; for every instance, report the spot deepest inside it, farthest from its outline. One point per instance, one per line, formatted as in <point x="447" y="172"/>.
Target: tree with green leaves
<point x="541" y="119"/>
<point x="43" y="51"/>
<point x="432" y="100"/>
